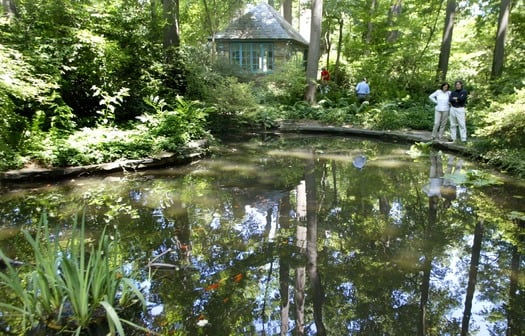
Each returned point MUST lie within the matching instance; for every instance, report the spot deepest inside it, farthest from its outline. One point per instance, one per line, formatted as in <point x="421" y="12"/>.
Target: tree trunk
<point x="9" y="7"/>
<point x="373" y="6"/>
<point x="327" y="44"/>
<point x="313" y="51"/>
<point x="446" y="41"/>
<point x="311" y="250"/>
<point x="472" y="277"/>
<point x="499" y="49"/>
<point x="287" y="10"/>
<point x="171" y="29"/>
<point x="211" y="28"/>
<point x="339" y="50"/>
<point x="334" y="181"/>
<point x="393" y="13"/>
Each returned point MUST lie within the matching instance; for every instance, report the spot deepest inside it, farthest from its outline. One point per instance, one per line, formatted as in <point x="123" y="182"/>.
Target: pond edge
<point x="193" y="151"/>
<point x="197" y="150"/>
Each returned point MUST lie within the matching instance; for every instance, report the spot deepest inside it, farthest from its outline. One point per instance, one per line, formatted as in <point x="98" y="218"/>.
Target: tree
<point x="393" y="13"/>
<point x="287" y="10"/>
<point x="446" y="41"/>
<point x="171" y="28"/>
<point x="499" y="48"/>
<point x="313" y="50"/>
<point x="9" y="7"/>
<point x="373" y="8"/>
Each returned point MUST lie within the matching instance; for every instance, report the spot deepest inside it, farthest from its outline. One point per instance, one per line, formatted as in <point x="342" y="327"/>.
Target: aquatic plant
<point x="70" y="286"/>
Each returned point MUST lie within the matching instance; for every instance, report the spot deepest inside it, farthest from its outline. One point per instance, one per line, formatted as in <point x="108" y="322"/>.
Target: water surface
<point x="303" y="233"/>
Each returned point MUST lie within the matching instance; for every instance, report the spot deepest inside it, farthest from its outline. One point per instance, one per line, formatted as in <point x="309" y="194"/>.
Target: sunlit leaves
<point x="517" y="215"/>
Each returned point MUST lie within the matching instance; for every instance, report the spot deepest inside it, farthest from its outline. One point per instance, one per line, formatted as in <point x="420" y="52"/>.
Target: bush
<point x="92" y="146"/>
<point x="505" y="122"/>
<point x="285" y="86"/>
<point x="174" y="125"/>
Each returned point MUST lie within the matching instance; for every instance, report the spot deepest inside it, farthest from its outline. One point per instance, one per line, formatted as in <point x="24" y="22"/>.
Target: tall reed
<point x="70" y="286"/>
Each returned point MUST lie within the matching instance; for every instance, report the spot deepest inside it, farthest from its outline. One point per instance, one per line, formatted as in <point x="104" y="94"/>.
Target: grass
<point x="71" y="286"/>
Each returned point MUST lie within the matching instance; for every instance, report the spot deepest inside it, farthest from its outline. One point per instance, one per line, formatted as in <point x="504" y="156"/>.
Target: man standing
<point x="458" y="100"/>
<point x="362" y="90"/>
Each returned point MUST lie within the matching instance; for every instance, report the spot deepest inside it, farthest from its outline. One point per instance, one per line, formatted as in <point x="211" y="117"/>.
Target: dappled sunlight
<point x="297" y="154"/>
<point x="385" y="162"/>
<point x="241" y="168"/>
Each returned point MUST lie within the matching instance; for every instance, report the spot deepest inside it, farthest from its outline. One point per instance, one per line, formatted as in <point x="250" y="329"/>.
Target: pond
<point x="291" y="234"/>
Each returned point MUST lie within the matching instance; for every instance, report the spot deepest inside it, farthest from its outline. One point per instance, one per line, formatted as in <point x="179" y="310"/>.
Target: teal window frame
<point x="253" y="56"/>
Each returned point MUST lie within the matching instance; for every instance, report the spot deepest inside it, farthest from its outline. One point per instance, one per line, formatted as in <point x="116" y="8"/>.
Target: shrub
<point x="505" y="123"/>
<point x="92" y="146"/>
<point x="174" y="125"/>
<point x="285" y="86"/>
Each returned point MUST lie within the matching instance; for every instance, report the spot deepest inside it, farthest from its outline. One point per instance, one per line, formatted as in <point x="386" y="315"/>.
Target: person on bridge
<point x="440" y="97"/>
<point x="458" y="100"/>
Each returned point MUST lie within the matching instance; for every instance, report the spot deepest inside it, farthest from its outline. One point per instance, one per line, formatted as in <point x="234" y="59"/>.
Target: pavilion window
<point x="253" y="57"/>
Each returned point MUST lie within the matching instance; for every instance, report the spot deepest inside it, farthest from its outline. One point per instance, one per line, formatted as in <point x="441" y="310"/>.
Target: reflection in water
<point x="288" y="237"/>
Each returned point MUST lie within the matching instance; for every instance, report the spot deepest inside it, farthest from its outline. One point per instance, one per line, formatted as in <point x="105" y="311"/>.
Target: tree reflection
<point x="284" y="265"/>
<point x="472" y="277"/>
<point x="300" y="271"/>
<point x="311" y="251"/>
<point x="515" y="307"/>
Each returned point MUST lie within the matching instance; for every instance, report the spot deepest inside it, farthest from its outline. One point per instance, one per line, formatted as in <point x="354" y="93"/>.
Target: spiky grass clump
<point x="70" y="286"/>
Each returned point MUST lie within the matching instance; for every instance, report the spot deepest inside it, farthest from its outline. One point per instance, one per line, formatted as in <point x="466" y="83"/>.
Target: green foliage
<point x="505" y="122"/>
<point x="302" y="110"/>
<point x="386" y="116"/>
<point x="417" y="116"/>
<point x="265" y="117"/>
<point x="286" y="85"/>
<point x="231" y="103"/>
<point x="197" y="21"/>
<point x="396" y="115"/>
<point x="501" y="136"/>
<point x="234" y="105"/>
<point x="346" y="110"/>
<point x="109" y="103"/>
<point x="92" y="146"/>
<point x="18" y="87"/>
<point x="174" y="126"/>
<point x="420" y="148"/>
<point x="71" y="284"/>
<point x="54" y="52"/>
<point x="9" y="158"/>
<point x="230" y="96"/>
